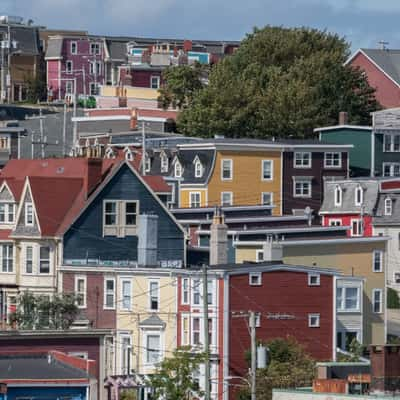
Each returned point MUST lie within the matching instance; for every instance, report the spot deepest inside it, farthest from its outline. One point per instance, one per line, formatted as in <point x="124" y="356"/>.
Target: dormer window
<point x="388" y="206"/>
<point x="358" y="196"/>
<point x="164" y="163"/>
<point x="128" y="155"/>
<point x="178" y="170"/>
<point x="147" y="163"/>
<point x="28" y="214"/>
<point x="7" y="213"/>
<point x="110" y="153"/>
<point x="338" y="196"/>
<point x="198" y="169"/>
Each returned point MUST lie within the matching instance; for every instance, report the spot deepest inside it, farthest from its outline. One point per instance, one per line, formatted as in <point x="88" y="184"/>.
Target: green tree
<point x="393" y="299"/>
<point x="43" y="312"/>
<point x="280" y="82"/>
<point x="181" y="83"/>
<point x="36" y="89"/>
<point x="173" y="378"/>
<point x="289" y="366"/>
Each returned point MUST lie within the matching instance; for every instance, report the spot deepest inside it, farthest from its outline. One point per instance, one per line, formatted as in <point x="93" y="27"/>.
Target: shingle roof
<point x="117" y="49"/>
<point x="54" y="48"/>
<point x="153" y="320"/>
<point x="27" y="38"/>
<point x="380" y="217"/>
<point x="186" y="157"/>
<point x="387" y="59"/>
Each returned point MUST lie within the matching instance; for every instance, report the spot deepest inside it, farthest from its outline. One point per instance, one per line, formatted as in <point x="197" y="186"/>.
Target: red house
<point x="382" y="67"/>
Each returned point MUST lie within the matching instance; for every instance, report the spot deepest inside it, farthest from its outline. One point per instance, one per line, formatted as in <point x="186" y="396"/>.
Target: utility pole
<point x="143" y="149"/>
<point x="252" y="325"/>
<point x="41" y="133"/>
<point x="206" y="332"/>
<point x="75" y="128"/>
<point x="65" y="129"/>
<point x="3" y="92"/>
<point x="8" y="65"/>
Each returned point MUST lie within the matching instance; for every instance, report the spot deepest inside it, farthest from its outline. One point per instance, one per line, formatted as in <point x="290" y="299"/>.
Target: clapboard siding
<point x="85" y="237"/>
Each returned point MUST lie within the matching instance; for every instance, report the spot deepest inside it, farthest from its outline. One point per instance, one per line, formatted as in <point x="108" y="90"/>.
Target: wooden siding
<point x="85" y="238"/>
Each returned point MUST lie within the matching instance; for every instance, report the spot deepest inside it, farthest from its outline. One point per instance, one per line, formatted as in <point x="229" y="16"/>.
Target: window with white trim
<point x="302" y="188"/>
<point x="153" y="348"/>
<point x="358" y="196"/>
<point x="120" y="217"/>
<point x="267" y="198"/>
<point x="154" y="295"/>
<point x="356" y="227"/>
<point x="28" y="214"/>
<point x="266" y="170"/>
<point x="29" y="259"/>
<point x="80" y="291"/>
<point x="7" y="257"/>
<point x="258" y="320"/>
<point x="226" y="199"/>
<point x="194" y="199"/>
<point x="44" y="260"/>
<point x="313" y="320"/>
<point x="377" y="261"/>
<point x="388" y="206"/>
<point x="178" y="170"/>
<point x="302" y="159"/>
<point x="338" y="196"/>
<point x="391" y="169"/>
<point x="93" y="88"/>
<point x="185" y="330"/>
<point x="391" y="142"/>
<point x="69" y="87"/>
<point x="147" y="163"/>
<point x="210" y="292"/>
<point x="377" y="300"/>
<point x="198" y="169"/>
<point x="185" y="290"/>
<point x="259" y="255"/>
<point x="164" y="162"/>
<point x="7" y="212"/>
<point x="314" y="280"/>
<point x="74" y="47"/>
<point x="196" y="291"/>
<point x="196" y="331"/>
<point x="69" y="66"/>
<point x="348" y="298"/>
<point x="95" y="48"/>
<point x="155" y="82"/>
<point x="333" y="160"/>
<point x="335" y="222"/>
<point x="125" y="353"/>
<point x="255" y="278"/>
<point x="126" y="294"/>
<point x="226" y="169"/>
<point x="109" y="293"/>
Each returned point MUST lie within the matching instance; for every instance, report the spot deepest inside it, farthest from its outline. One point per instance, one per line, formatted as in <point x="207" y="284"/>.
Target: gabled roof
<point x="153" y="320"/>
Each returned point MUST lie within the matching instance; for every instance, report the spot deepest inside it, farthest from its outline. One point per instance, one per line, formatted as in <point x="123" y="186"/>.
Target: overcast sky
<point x="363" y="22"/>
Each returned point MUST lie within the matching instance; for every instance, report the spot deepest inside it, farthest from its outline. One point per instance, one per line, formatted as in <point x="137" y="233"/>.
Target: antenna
<point x="383" y="44"/>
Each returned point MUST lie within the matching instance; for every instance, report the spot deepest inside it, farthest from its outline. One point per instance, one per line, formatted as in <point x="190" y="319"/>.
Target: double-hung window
<point x="153" y="348"/>
<point x="28" y="214"/>
<point x="28" y="259"/>
<point x="377" y="300"/>
<point x="388" y="206"/>
<point x="348" y="299"/>
<point x="196" y="292"/>
<point x="266" y="198"/>
<point x="391" y="142"/>
<point x="391" y="169"/>
<point x="302" y="188"/>
<point x="210" y="292"/>
<point x="178" y="170"/>
<point x="74" y="47"/>
<point x="154" y="295"/>
<point x="377" y="261"/>
<point x="7" y="258"/>
<point x="302" y="159"/>
<point x="333" y="160"/>
<point x="120" y="217"/>
<point x="356" y="227"/>
<point x="194" y="199"/>
<point x="267" y="170"/>
<point x="80" y="291"/>
<point x="185" y="290"/>
<point x="44" y="260"/>
<point x="226" y="169"/>
<point x="109" y="293"/>
<point x="226" y="199"/>
<point x="155" y="82"/>
<point x="164" y="163"/>
<point x="196" y="331"/>
<point x="126" y="294"/>
<point x="7" y="213"/>
<point x="198" y="169"/>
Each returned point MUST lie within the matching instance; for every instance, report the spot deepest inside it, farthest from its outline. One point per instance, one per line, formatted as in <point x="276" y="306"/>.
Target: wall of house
<point x="53" y="68"/>
<point x="317" y="171"/>
<point x="143" y="78"/>
<point x="360" y="155"/>
<point x="383" y="156"/>
<point x="387" y="92"/>
<point x="185" y="197"/>
<point x="346" y="221"/>
<point x="351" y="259"/>
<point x="247" y="184"/>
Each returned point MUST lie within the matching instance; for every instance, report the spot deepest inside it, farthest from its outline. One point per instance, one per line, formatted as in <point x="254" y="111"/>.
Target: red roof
<point x="5" y="234"/>
<point x="157" y="113"/>
<point x="157" y="183"/>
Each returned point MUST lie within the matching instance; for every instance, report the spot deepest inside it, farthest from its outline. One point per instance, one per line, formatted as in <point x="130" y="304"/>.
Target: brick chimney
<point x="187" y="45"/>
<point x="218" y="239"/>
<point x="343" y="118"/>
<point x="94" y="174"/>
<point x="385" y="369"/>
<point x="133" y="121"/>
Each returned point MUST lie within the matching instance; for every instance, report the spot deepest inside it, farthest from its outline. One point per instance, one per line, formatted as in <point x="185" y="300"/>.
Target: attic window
<point x="358" y="196"/>
<point x="164" y="163"/>
<point x="388" y="206"/>
<point x="147" y="163"/>
<point x="338" y="196"/>
<point x="110" y="153"/>
<point x="198" y="169"/>
<point x="28" y="214"/>
<point x="128" y="155"/>
<point x="178" y="170"/>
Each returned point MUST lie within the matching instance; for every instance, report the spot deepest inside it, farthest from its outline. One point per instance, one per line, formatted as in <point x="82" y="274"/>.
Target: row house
<point x="232" y="172"/>
<point x="313" y="309"/>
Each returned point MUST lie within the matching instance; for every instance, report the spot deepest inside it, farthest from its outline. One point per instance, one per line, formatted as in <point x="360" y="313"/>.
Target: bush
<point x="393" y="300"/>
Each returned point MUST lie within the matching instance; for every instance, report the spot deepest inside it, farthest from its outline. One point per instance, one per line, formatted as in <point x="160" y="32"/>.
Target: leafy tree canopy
<point x="281" y="82"/>
<point x="173" y="379"/>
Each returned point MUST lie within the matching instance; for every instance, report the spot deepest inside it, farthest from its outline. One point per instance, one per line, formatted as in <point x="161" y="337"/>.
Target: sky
<point x="362" y="22"/>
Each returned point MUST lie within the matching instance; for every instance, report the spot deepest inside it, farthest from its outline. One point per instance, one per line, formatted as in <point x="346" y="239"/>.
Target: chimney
<point x="273" y="251"/>
<point x="187" y="45"/>
<point x="147" y="240"/>
<point x="218" y="239"/>
<point x="385" y="369"/>
<point x="94" y="174"/>
<point x="343" y="118"/>
<point x="133" y="121"/>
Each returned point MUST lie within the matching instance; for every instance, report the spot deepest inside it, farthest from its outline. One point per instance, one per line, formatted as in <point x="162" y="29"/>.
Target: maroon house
<point x="382" y="69"/>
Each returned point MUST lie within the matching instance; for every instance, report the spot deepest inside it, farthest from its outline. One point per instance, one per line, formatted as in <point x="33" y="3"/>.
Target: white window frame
<point x="259" y="255"/>
<point x="229" y="162"/>
<point x="271" y="169"/>
<point x="301" y="160"/>
<point x="308" y="182"/>
<point x="380" y="254"/>
<point x="338" y="191"/>
<point x="359" y="228"/>
<point x="125" y="353"/>
<point x="270" y="195"/>
<point x="9" y="209"/>
<point x="95" y="48"/>
<point x="69" y="67"/>
<point x="76" y="47"/>
<point x="185" y="334"/>
<point x="258" y="276"/>
<point x="105" y="306"/>
<point x="10" y="259"/>
<point x="229" y="202"/>
<point x="78" y="278"/>
<point x="310" y="319"/>
<point x="94" y="88"/>
<point x="389" y="143"/>
<point x="198" y="169"/>
<point x="196" y="291"/>
<point x="380" y="291"/>
<point x="146" y="334"/>
<point x="358" y="191"/>
<point x="122" y="301"/>
<point x="29" y="246"/>
<point x="69" y="86"/>
<point x="335" y="222"/>
<point x="193" y="331"/>
<point x="185" y="290"/>
<point x="40" y="259"/>
<point x="147" y="163"/>
<point x="164" y="162"/>
<point x="178" y="170"/>
<point x="342" y="306"/>
<point x="392" y="166"/>
<point x="310" y="278"/>
<point x="194" y="204"/>
<point x="158" y="81"/>
<point x="29" y="222"/>
<point x="150" y="282"/>
<point x="330" y="163"/>
<point x="388" y="206"/>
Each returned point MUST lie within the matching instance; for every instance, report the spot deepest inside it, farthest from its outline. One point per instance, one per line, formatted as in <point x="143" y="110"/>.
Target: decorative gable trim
<point x="5" y="186"/>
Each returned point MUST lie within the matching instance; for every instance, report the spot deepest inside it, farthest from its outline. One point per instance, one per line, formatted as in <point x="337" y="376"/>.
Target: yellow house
<point x="364" y="257"/>
<point x="230" y="172"/>
<point x="146" y="320"/>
